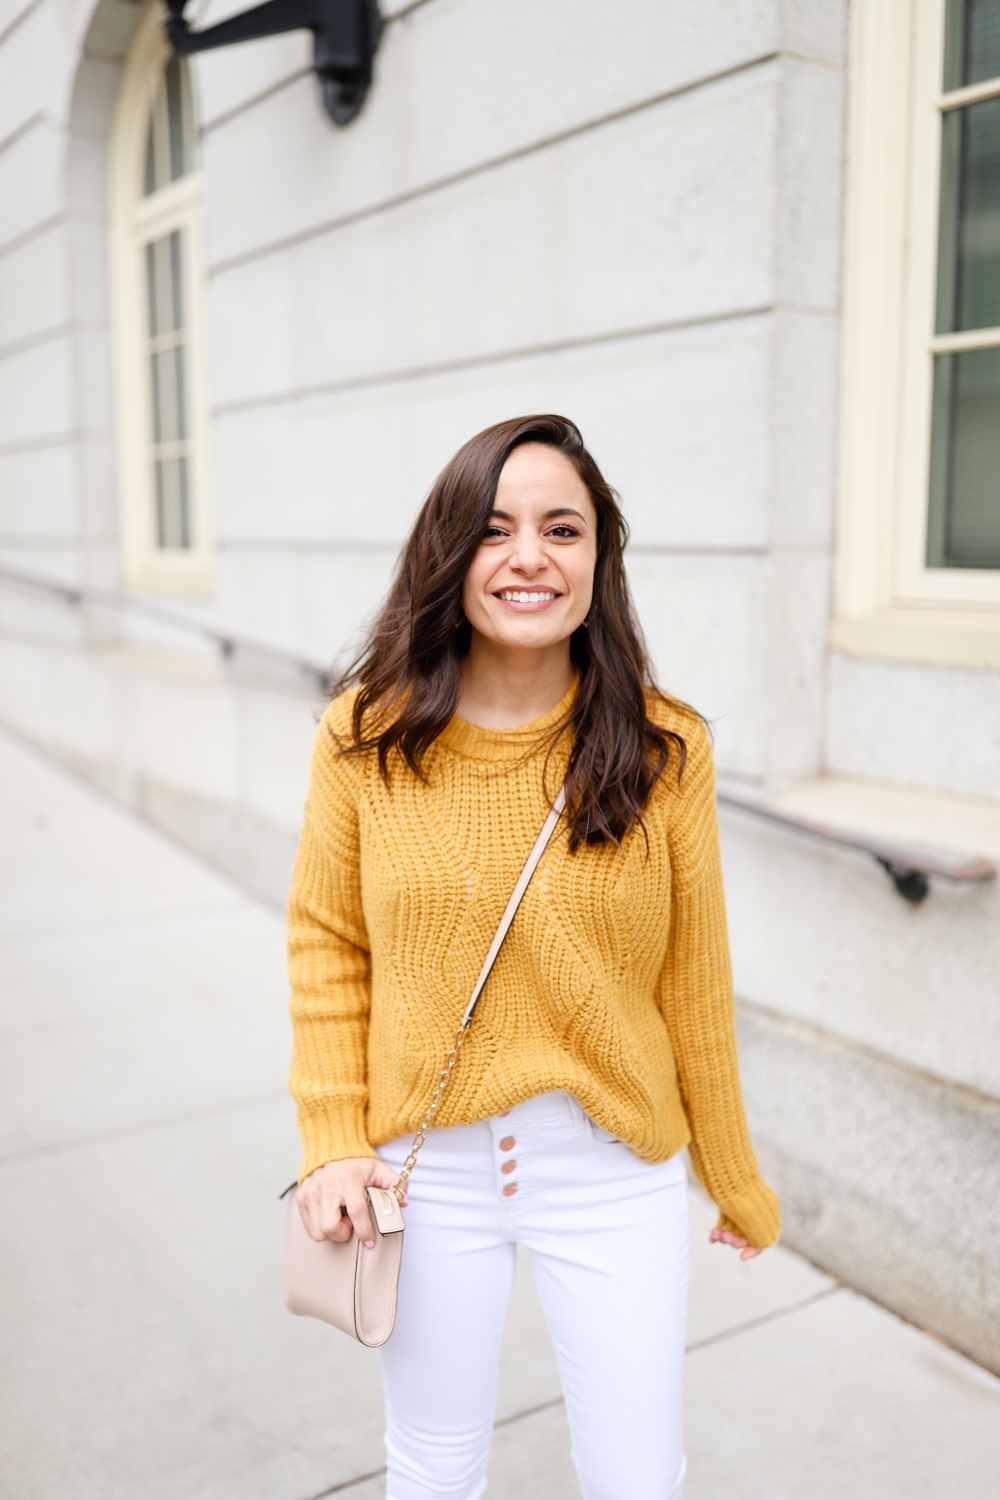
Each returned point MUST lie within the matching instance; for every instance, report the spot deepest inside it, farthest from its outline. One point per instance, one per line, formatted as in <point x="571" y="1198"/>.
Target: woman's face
<point x="532" y="580"/>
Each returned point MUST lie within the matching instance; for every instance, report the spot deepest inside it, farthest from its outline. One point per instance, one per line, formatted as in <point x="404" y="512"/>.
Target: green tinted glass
<point x="972" y="42"/>
<point x="964" y="518"/>
<point x="969" y="238"/>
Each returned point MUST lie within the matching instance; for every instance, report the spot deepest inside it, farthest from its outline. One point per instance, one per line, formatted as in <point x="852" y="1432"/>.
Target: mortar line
<point x="488" y="164"/>
<point x="486" y="361"/>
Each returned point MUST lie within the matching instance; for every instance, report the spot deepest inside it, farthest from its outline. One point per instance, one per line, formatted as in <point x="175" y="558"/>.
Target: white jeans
<point x="609" y="1242"/>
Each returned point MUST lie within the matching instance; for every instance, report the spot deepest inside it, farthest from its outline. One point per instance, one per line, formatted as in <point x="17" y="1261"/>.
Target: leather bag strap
<point x="523" y="880"/>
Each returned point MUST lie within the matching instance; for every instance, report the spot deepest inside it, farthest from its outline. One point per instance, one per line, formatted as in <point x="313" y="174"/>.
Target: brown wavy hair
<point x="408" y="666"/>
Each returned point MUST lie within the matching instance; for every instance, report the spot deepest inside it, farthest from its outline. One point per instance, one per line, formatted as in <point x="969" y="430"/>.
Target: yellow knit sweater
<point x="613" y="984"/>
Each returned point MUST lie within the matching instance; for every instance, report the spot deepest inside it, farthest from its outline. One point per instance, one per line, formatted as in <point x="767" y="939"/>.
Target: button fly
<point x="508" y="1167"/>
<point x="508" y="1143"/>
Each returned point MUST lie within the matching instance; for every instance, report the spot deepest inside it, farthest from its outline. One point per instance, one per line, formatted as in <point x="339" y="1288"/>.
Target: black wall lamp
<point x="346" y="34"/>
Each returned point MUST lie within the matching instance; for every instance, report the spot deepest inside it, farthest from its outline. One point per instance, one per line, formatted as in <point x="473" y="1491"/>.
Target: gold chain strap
<point x="427" y="1123"/>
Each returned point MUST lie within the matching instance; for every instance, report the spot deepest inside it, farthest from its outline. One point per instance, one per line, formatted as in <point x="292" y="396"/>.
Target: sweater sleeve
<point x="329" y="960"/>
<point x="696" y="998"/>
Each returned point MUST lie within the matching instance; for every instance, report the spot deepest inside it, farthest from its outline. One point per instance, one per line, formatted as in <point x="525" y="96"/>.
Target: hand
<point x="332" y="1199"/>
<point x="727" y="1237"/>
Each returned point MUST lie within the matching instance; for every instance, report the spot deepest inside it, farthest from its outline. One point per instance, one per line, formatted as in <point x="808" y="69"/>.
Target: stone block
<point x="816" y="29"/>
<point x="309" y="601"/>
<point x="35" y="288"/>
<point x="228" y="80"/>
<point x="937" y="727"/>
<point x="36" y="391"/>
<point x="455" y="86"/>
<point x="38" y="495"/>
<point x="561" y="246"/>
<point x="887" y="1178"/>
<point x="809" y="167"/>
<point x="31" y="184"/>
<point x="677" y="421"/>
<point x="820" y="934"/>
<point x="20" y="57"/>
<point x="803" y="428"/>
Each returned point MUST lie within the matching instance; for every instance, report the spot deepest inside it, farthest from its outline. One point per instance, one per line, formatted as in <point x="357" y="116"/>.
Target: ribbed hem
<point x="333" y="1137"/>
<point x="477" y="743"/>
<point x="754" y="1214"/>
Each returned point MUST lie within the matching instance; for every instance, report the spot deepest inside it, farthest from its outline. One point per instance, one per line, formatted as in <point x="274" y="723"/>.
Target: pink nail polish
<point x="369" y="1244"/>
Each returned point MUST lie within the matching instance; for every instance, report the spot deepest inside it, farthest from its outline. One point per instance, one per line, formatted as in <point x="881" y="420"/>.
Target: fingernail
<point x="369" y="1244"/>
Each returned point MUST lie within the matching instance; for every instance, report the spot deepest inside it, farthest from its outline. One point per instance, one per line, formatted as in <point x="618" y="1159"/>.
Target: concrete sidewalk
<point x="144" y="1135"/>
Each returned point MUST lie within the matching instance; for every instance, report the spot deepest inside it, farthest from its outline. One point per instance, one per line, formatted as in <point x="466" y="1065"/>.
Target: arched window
<point x="157" y="282"/>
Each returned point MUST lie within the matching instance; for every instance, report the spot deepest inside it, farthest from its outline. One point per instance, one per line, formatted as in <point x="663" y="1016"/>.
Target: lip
<point x="519" y="608"/>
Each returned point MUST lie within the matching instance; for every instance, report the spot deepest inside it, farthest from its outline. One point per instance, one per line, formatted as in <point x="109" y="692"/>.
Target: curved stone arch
<point x="107" y="39"/>
<point x="120" y="62"/>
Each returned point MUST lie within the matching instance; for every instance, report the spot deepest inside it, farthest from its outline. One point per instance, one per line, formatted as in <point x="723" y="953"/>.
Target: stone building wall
<point x="629" y="213"/>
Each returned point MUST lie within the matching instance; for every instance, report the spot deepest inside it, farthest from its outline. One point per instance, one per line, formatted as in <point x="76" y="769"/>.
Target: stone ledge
<point x="888" y="1178"/>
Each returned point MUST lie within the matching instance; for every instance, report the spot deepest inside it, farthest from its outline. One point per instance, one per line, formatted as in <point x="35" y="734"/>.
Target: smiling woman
<point x="521" y="503"/>
<point x="507" y="662"/>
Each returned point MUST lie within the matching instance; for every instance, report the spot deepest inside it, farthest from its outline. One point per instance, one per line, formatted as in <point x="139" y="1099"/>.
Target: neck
<point x="503" y="688"/>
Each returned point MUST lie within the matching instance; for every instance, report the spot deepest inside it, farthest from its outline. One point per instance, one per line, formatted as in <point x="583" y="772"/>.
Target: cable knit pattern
<point x="614" y="982"/>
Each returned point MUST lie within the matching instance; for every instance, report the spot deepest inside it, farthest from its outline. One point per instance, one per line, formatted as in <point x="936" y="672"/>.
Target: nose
<point x="528" y="557"/>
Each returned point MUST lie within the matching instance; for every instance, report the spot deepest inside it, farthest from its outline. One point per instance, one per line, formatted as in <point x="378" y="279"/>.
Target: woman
<point x="506" y="659"/>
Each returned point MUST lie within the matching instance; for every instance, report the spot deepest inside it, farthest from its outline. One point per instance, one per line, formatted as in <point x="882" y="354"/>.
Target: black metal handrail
<point x="228" y="645"/>
<point x="910" y="869"/>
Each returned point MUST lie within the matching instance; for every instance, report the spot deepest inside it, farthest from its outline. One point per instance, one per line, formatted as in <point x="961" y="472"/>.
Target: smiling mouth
<point x="537" y="597"/>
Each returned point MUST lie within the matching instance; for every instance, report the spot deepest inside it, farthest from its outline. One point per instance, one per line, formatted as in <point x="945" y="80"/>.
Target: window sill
<point x="934" y="637"/>
<point x="913" y="816"/>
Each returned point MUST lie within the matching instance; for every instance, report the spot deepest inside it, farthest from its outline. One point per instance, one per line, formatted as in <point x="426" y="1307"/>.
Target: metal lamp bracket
<point x="346" y="34"/>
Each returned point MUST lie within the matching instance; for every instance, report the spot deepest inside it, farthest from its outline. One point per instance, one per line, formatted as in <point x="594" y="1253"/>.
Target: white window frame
<point x="888" y="603"/>
<point x="136" y="220"/>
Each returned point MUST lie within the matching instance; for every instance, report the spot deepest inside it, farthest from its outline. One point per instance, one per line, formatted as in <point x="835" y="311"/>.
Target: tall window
<point x="964" y="513"/>
<point x="157" y="273"/>
<point x="919" y="510"/>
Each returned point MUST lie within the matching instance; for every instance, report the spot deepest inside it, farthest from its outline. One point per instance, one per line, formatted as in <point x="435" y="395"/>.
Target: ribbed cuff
<point x="331" y="1137"/>
<point x="754" y="1214"/>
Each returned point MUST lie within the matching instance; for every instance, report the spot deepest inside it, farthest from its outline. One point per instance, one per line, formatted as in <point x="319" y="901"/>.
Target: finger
<point x="750" y="1252"/>
<point x="302" y="1203"/>
<point x="385" y="1177"/>
<point x="329" y="1215"/>
<point x="322" y="1222"/>
<point x="360" y="1216"/>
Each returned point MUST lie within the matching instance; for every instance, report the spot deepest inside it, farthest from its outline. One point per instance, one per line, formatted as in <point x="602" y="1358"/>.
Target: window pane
<point x="969" y="237"/>
<point x="169" y="415"/>
<point x="964" y="529"/>
<point x="972" y="42"/>
<point x="164" y="280"/>
<point x="168" y="372"/>
<point x="170" y="143"/>
<point x="173" y="528"/>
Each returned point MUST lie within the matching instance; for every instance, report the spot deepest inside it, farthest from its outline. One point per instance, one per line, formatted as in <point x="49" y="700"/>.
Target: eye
<point x="564" y="530"/>
<point x="492" y="532"/>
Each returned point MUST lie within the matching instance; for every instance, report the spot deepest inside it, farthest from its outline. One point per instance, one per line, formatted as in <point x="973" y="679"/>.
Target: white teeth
<point x="522" y="596"/>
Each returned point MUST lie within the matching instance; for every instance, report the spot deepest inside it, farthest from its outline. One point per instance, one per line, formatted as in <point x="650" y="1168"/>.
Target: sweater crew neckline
<point x="477" y="743"/>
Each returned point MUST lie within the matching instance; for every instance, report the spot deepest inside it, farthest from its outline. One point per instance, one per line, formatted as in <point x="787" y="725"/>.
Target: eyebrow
<point x="563" y="510"/>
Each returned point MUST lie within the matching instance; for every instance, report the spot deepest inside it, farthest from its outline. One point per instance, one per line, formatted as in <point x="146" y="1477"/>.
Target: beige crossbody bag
<point x="343" y="1283"/>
